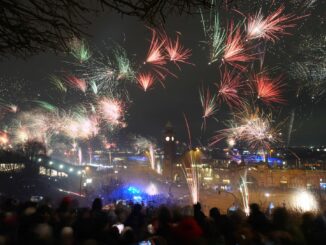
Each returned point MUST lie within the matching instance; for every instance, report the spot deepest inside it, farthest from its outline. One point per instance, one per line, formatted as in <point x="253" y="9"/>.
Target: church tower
<point x="169" y="150"/>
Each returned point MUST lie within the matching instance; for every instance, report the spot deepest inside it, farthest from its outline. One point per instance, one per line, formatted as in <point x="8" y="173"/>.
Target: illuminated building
<point x="169" y="148"/>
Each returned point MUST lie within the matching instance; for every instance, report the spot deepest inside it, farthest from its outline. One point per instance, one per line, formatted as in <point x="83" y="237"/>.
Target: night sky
<point x="148" y="112"/>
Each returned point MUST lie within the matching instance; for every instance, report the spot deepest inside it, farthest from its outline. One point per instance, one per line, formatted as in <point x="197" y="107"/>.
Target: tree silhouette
<point x="32" y="26"/>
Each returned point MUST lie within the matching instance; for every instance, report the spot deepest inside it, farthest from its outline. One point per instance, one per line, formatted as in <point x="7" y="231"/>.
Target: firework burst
<point x="216" y="38"/>
<point x="124" y="68"/>
<point x="111" y="110"/>
<point x="190" y="169"/>
<point x="155" y="55"/>
<point x="79" y="50"/>
<point x="252" y="127"/>
<point x="8" y="107"/>
<point x="268" y="90"/>
<point x="58" y="83"/>
<point x="151" y="156"/>
<point x="145" y="80"/>
<point x="208" y="103"/>
<point x="270" y="27"/>
<point x="235" y="52"/>
<point x="244" y="193"/>
<point x="177" y="53"/>
<point x="228" y="89"/>
<point x="76" y="83"/>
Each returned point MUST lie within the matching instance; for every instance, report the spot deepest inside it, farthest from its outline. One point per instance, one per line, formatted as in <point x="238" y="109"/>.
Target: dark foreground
<point x="40" y="223"/>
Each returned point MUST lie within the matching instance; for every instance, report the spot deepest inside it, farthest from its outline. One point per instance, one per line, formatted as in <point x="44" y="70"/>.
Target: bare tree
<point x="32" y="26"/>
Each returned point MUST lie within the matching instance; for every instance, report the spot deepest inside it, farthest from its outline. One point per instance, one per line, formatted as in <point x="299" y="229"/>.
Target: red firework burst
<point x="176" y="51"/>
<point x="155" y="53"/>
<point x="228" y="89"/>
<point x="235" y="52"/>
<point x="269" y="90"/>
<point x="272" y="26"/>
<point x="145" y="80"/>
<point x="77" y="83"/>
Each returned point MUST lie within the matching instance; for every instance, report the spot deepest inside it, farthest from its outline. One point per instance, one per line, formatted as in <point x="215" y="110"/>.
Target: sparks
<point x="190" y="164"/>
<point x="270" y="27"/>
<point x="58" y="83"/>
<point x="155" y="53"/>
<point x="208" y="103"/>
<point x="176" y="52"/>
<point x="77" y="83"/>
<point x="80" y="50"/>
<point x="235" y="52"/>
<point x="252" y="127"/>
<point x="217" y="40"/>
<point x="145" y="80"/>
<point x="228" y="89"/>
<point x="124" y="68"/>
<point x="111" y="110"/>
<point x="244" y="193"/>
<point x="268" y="90"/>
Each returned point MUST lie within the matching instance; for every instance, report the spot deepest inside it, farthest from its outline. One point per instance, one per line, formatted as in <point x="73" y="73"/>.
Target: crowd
<point x="40" y="223"/>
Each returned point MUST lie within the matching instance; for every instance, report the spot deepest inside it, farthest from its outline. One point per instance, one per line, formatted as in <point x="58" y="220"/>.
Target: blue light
<point x="137" y="198"/>
<point x="133" y="190"/>
<point x="257" y="159"/>
<point x="137" y="158"/>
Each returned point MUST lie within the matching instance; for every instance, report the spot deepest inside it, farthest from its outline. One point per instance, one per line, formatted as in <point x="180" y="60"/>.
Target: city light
<point x="152" y="189"/>
<point x="219" y="107"/>
<point x="304" y="201"/>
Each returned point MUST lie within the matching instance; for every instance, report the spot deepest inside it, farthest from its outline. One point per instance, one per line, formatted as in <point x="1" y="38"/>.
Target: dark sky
<point x="148" y="112"/>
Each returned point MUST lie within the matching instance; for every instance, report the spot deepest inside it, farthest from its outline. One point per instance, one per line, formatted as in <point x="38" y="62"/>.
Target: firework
<point x="79" y="126"/>
<point x="111" y="110"/>
<point x="228" y="89"/>
<point x="252" y="127"/>
<point x="176" y="52"/>
<point x="8" y="107"/>
<point x="79" y="50"/>
<point x="152" y="189"/>
<point x="208" y="103"/>
<point x="152" y="156"/>
<point x="270" y="27"/>
<point x="304" y="201"/>
<point x="124" y="68"/>
<point x="145" y="80"/>
<point x="94" y="87"/>
<point x="256" y="129"/>
<point x="4" y="139"/>
<point x="101" y="70"/>
<point x="244" y="193"/>
<point x="76" y="83"/>
<point x="58" y="83"/>
<point x="21" y="135"/>
<point x="190" y="169"/>
<point x="45" y="105"/>
<point x="216" y="35"/>
<point x="235" y="52"/>
<point x="188" y="130"/>
<point x="155" y="53"/>
<point x="268" y="90"/>
<point x="34" y="125"/>
<point x="80" y="156"/>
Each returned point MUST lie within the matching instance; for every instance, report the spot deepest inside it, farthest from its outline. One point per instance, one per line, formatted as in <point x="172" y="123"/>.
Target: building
<point x="169" y="149"/>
